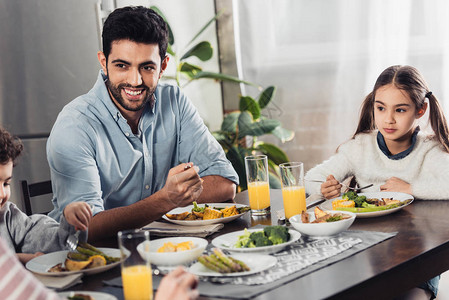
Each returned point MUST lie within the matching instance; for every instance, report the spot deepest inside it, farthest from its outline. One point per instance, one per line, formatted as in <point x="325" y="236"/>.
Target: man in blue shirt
<point x="132" y="147"/>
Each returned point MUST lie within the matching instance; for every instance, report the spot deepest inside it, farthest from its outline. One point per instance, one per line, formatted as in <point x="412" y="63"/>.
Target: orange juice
<point x="294" y="200"/>
<point x="137" y="282"/>
<point x="259" y="195"/>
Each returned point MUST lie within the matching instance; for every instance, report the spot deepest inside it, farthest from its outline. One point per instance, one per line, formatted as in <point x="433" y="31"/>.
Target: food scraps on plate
<point x="352" y="202"/>
<point x="222" y="263"/>
<point x="323" y="217"/>
<point x="270" y="235"/>
<point x="86" y="257"/>
<point x="79" y="296"/>
<point x="208" y="213"/>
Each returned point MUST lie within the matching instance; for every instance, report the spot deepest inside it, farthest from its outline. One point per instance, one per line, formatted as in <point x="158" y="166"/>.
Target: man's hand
<point x="78" y="214"/>
<point x="183" y="185"/>
<point x="331" y="188"/>
<point x="395" y="184"/>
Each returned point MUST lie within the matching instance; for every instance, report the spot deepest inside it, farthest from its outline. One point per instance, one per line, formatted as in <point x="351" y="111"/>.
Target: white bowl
<point x="322" y="229"/>
<point x="168" y="259"/>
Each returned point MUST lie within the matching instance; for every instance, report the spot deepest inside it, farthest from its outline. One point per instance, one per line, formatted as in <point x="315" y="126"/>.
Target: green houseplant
<point x="240" y="130"/>
<point x="186" y="71"/>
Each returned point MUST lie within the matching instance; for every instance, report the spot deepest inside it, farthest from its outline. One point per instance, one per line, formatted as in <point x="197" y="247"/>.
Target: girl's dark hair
<point x="408" y="79"/>
<point x="138" y="24"/>
<point x="10" y="147"/>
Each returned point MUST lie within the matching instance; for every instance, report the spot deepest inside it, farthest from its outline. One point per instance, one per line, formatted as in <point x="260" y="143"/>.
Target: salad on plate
<point x="369" y="204"/>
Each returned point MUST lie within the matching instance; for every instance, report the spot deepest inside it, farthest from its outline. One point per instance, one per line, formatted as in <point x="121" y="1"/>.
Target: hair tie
<point x="428" y="94"/>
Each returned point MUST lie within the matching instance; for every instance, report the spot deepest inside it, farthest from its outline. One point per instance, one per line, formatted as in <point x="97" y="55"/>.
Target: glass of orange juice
<point x="258" y="185"/>
<point x="293" y="190"/>
<point x="137" y="277"/>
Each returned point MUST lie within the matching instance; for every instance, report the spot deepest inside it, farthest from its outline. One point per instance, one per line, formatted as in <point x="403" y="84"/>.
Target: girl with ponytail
<point x="388" y="149"/>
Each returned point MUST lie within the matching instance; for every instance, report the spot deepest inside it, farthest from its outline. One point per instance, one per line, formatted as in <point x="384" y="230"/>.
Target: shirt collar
<point x="383" y="146"/>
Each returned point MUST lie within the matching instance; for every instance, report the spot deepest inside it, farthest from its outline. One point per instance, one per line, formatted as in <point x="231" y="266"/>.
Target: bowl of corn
<point x="173" y="251"/>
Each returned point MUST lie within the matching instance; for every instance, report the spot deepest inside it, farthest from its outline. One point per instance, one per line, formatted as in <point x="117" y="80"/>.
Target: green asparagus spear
<point x="77" y="256"/>
<point x="86" y="251"/>
<point x="213" y="259"/>
<point x="90" y="247"/>
<point x="203" y="259"/>
<point x="241" y="263"/>
<point x="225" y="259"/>
<point x="216" y="262"/>
<point x="90" y="250"/>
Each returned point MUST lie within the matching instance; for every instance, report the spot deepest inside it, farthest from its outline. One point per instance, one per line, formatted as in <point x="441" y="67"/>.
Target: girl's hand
<point x="178" y="284"/>
<point x="395" y="184"/>
<point x="331" y="188"/>
<point x="78" y="214"/>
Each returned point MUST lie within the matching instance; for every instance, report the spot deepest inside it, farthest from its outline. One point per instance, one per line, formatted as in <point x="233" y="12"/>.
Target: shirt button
<point x="127" y="133"/>
<point x="146" y="153"/>
<point x="147" y="187"/>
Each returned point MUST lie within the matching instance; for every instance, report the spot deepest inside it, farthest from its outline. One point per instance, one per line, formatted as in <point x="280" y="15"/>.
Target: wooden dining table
<point x="418" y="252"/>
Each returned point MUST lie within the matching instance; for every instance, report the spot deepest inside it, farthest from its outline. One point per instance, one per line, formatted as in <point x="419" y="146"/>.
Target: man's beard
<point x="115" y="91"/>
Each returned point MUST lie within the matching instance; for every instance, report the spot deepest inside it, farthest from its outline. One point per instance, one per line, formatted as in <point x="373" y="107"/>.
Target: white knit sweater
<point x="426" y="168"/>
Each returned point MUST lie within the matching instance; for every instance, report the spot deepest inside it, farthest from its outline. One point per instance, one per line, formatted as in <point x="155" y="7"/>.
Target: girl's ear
<point x="421" y="111"/>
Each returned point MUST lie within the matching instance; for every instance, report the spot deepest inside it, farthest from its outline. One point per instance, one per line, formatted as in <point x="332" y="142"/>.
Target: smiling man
<point x="132" y="147"/>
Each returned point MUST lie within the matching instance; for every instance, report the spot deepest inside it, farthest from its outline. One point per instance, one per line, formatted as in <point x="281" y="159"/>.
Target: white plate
<point x="227" y="242"/>
<point x="180" y="210"/>
<point x="95" y="295"/>
<point x="395" y="195"/>
<point x="256" y="263"/>
<point x="41" y="264"/>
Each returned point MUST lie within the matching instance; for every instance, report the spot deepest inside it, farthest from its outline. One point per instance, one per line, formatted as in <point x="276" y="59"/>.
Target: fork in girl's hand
<point x="72" y="240"/>
<point x="345" y="185"/>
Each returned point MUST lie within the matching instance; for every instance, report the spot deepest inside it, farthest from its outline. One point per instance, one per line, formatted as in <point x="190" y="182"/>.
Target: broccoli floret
<point x="258" y="239"/>
<point x="359" y="200"/>
<point x="351" y="195"/>
<point x="277" y="234"/>
<point x="196" y="208"/>
<point x="270" y="235"/>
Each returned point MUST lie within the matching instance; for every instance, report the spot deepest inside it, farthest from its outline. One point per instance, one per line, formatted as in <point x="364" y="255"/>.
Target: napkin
<point x="169" y="229"/>
<point x="59" y="283"/>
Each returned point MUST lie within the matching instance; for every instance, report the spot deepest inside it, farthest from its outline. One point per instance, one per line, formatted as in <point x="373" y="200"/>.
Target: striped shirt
<point x="16" y="282"/>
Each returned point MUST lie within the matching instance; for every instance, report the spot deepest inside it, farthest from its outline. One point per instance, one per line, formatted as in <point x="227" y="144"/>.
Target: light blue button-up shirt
<point x="95" y="157"/>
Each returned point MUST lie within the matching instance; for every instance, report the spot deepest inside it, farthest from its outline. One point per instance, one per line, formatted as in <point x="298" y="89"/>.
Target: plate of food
<point x="267" y="240"/>
<point x="368" y="205"/>
<point x="87" y="260"/>
<point x="87" y="295"/>
<point x="206" y="214"/>
<point x="218" y="264"/>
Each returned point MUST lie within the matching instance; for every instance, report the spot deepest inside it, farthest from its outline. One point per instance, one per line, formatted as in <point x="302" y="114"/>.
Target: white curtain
<point x="325" y="55"/>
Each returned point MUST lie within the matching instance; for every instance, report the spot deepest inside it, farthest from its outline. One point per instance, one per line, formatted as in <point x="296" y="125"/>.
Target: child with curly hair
<point x="33" y="235"/>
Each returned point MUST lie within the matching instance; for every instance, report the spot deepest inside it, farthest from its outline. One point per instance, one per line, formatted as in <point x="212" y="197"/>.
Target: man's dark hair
<point x="10" y="147"/>
<point x="135" y="23"/>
